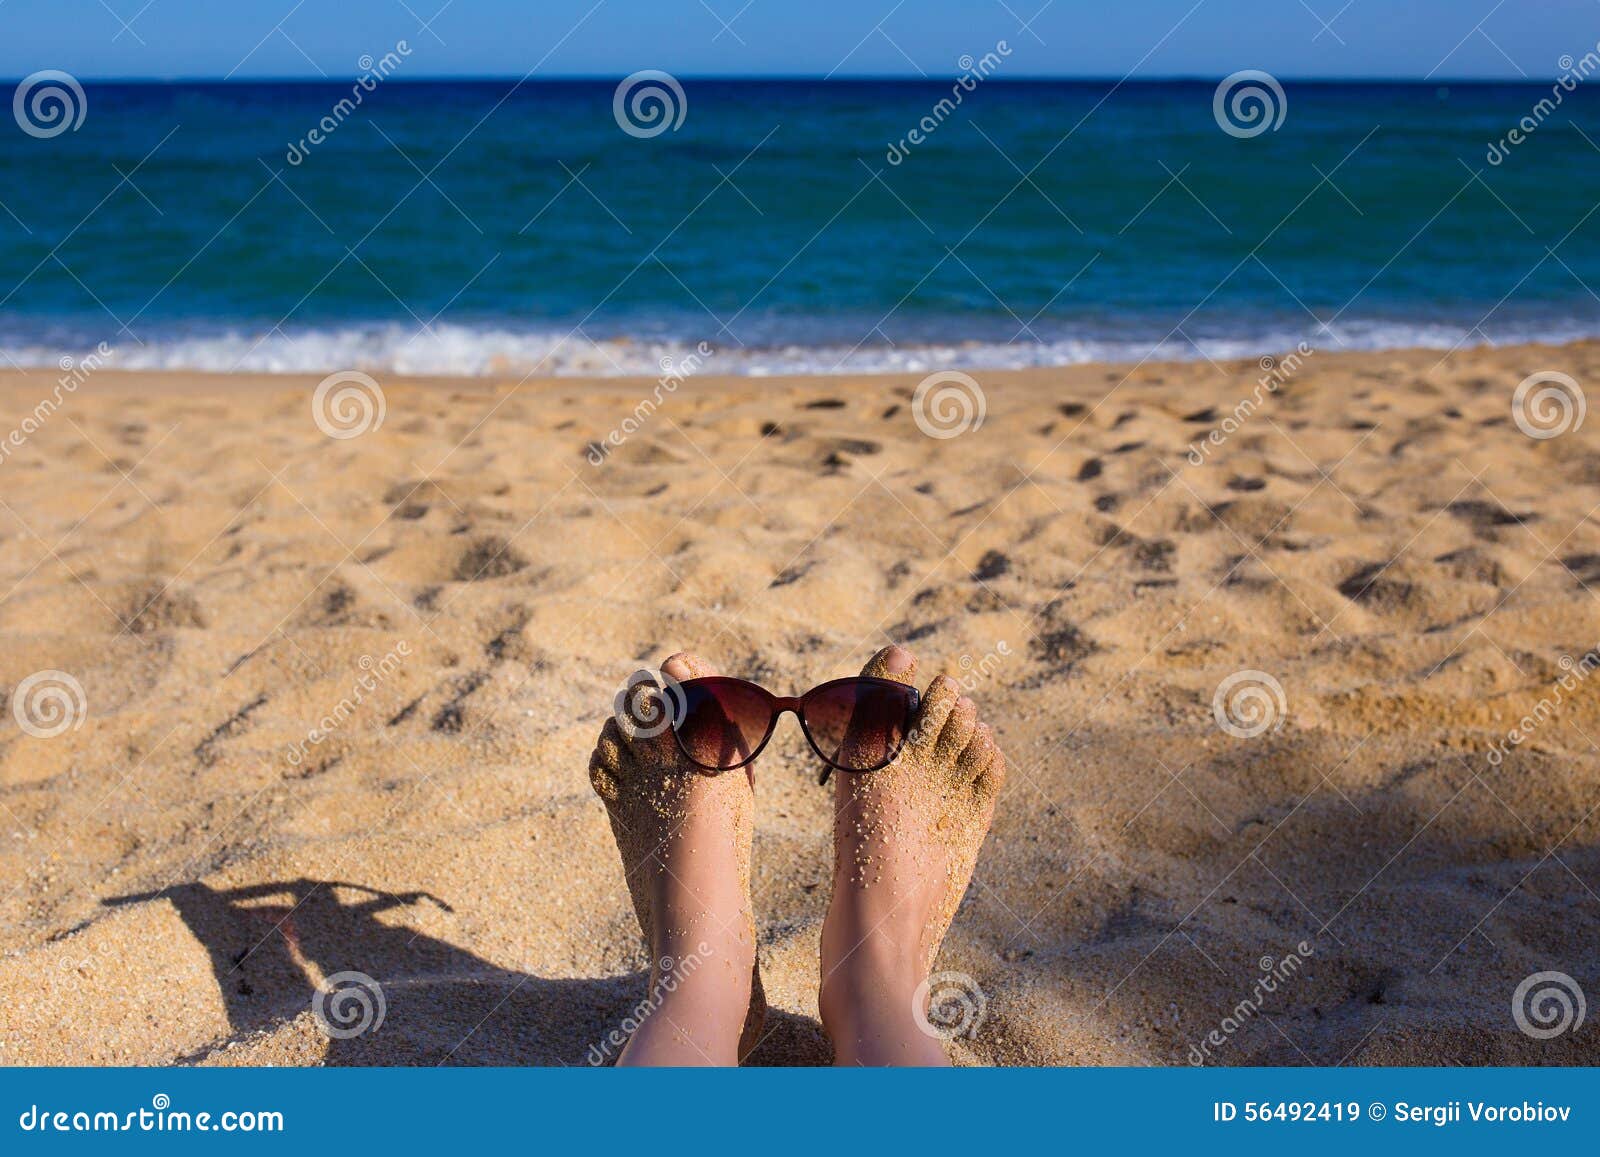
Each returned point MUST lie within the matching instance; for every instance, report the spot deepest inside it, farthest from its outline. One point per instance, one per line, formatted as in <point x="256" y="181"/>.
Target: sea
<point x="781" y="226"/>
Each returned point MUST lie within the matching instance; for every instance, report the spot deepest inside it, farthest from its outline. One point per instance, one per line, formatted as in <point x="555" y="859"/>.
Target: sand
<point x="184" y="865"/>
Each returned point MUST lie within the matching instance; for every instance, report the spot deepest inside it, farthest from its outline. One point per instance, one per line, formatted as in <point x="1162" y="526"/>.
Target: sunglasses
<point x="857" y="724"/>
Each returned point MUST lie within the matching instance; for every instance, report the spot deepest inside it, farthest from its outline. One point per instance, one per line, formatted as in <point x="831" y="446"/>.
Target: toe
<point x="977" y="753"/>
<point x="993" y="777"/>
<point x="612" y="738"/>
<point x="605" y="764"/>
<point x="937" y="703"/>
<point x="684" y="665"/>
<point x="981" y="763"/>
<point x="892" y="662"/>
<point x="957" y="732"/>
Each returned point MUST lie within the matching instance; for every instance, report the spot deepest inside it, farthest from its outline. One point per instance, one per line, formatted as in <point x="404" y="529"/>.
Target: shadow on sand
<point x="272" y="944"/>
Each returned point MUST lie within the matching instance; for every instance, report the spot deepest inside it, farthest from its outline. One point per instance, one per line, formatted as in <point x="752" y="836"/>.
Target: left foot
<point x="684" y="836"/>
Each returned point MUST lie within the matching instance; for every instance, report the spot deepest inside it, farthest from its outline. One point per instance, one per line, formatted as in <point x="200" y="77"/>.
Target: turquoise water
<point x="467" y="226"/>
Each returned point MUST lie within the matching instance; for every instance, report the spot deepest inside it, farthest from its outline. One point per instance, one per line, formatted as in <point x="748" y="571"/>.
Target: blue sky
<point x="1291" y="38"/>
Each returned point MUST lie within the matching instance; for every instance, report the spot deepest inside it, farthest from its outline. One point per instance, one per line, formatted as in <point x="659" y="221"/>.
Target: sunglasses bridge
<point x="793" y="704"/>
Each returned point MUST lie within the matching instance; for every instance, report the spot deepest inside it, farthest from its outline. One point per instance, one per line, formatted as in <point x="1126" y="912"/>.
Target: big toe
<point x="892" y="662"/>
<point x="684" y="665"/>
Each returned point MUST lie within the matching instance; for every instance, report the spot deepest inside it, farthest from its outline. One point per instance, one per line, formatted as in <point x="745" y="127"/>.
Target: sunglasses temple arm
<point x="822" y="779"/>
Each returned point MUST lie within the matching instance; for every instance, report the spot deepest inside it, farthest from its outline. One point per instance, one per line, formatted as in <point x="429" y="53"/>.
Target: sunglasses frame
<point x="796" y="705"/>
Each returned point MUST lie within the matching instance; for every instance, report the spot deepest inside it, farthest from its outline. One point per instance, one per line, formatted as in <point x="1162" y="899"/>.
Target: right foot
<point x="905" y="842"/>
<point x="684" y="836"/>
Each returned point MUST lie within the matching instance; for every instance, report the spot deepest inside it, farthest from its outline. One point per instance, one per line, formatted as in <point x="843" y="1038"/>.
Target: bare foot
<point x="905" y="841"/>
<point x="684" y="836"/>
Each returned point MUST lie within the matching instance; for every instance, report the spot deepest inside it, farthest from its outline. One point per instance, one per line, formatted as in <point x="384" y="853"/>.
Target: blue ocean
<point x="567" y="227"/>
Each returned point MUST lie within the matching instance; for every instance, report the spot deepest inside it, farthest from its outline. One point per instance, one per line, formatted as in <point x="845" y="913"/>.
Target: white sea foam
<point x="505" y="351"/>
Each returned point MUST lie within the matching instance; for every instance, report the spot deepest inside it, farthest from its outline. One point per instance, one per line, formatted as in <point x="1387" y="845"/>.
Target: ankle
<point x="878" y="1025"/>
<point x="698" y="967"/>
<point x="867" y="995"/>
<point x="695" y="1011"/>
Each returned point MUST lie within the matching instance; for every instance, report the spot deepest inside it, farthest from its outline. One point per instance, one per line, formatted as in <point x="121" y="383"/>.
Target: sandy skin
<point x="905" y="841"/>
<point x="684" y="837"/>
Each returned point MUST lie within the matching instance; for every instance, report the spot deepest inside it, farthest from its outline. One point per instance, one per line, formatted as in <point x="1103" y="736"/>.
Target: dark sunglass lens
<point x="859" y="724"/>
<point x="722" y="721"/>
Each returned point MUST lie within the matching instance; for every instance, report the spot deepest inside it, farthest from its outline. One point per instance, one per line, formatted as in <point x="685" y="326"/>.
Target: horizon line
<point x="807" y="78"/>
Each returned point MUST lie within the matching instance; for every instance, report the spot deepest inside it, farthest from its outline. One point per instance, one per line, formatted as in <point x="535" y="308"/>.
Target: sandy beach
<point x="338" y="697"/>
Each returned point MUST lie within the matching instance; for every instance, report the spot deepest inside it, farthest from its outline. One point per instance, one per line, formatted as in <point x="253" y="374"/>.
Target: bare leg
<point x="905" y="841"/>
<point x="685" y="839"/>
